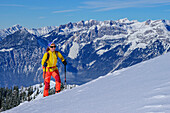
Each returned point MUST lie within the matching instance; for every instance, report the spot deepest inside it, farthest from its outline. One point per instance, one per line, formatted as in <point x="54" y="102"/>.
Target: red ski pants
<point x="56" y="76"/>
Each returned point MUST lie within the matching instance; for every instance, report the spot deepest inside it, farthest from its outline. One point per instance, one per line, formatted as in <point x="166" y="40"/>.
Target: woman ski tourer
<point x="49" y="63"/>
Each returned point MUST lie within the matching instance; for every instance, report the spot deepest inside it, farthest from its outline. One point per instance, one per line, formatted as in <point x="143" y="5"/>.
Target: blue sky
<point x="40" y="13"/>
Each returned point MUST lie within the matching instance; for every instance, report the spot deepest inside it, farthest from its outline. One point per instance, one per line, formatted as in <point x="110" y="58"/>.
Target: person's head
<point x="51" y="47"/>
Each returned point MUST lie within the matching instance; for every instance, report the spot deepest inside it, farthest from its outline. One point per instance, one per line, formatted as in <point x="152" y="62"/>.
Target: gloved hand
<point x="45" y="64"/>
<point x="64" y="62"/>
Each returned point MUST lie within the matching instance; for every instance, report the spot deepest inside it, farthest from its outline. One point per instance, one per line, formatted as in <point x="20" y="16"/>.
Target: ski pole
<point x="65" y="77"/>
<point x="44" y="79"/>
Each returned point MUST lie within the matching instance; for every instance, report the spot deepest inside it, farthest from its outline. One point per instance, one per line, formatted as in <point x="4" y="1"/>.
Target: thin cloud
<point x="64" y="11"/>
<point x="167" y="10"/>
<point x="42" y="17"/>
<point x="11" y="5"/>
<point x="29" y="7"/>
<point x="111" y="5"/>
<point x="39" y="8"/>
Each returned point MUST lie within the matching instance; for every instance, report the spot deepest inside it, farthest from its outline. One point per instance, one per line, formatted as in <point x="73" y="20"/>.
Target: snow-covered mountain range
<point x="98" y="47"/>
<point x="94" y="48"/>
<point x="17" y="27"/>
<point x="143" y="88"/>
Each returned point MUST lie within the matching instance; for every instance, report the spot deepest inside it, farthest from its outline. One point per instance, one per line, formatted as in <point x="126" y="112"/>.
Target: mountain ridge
<point x="94" y="48"/>
<point x="17" y="27"/>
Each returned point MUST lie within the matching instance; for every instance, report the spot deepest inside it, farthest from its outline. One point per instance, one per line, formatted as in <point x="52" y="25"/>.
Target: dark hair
<point x="47" y="49"/>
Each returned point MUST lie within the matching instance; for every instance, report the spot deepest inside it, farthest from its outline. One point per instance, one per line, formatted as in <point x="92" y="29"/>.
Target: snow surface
<point x="40" y="95"/>
<point x="40" y="90"/>
<point x="143" y="88"/>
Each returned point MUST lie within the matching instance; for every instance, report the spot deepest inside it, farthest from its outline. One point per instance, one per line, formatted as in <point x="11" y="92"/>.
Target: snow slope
<point x="143" y="88"/>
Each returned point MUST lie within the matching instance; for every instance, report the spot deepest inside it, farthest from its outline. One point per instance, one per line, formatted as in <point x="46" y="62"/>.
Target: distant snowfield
<point x="74" y="50"/>
<point x="4" y="50"/>
<point x="143" y="88"/>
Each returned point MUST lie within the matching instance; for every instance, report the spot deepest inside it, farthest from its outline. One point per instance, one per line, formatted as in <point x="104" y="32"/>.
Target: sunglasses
<point x="52" y="46"/>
